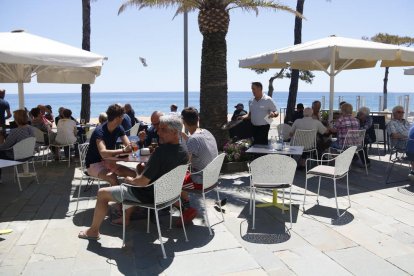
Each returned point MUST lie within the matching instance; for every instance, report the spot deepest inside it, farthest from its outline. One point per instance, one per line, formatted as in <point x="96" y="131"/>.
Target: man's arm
<point x="104" y="152"/>
<point x="245" y="117"/>
<point x="8" y="114"/>
<point x="139" y="181"/>
<point x="126" y="143"/>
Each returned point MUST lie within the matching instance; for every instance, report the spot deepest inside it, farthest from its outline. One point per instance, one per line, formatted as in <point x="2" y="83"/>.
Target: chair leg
<point x="254" y="207"/>
<point x="47" y="155"/>
<point x="123" y="225"/>
<point x="319" y="188"/>
<point x="347" y="187"/>
<point x="206" y="214"/>
<point x="68" y="155"/>
<point x="148" y="219"/>
<point x="35" y="173"/>
<point x="171" y="216"/>
<point x="219" y="202"/>
<point x="283" y="200"/>
<point x="80" y="187"/>
<point x="182" y="221"/>
<point x="336" y="197"/>
<point x="159" y="234"/>
<point x="17" y="176"/>
<point x="290" y="207"/>
<point x="304" y="194"/>
<point x="250" y="201"/>
<point x="365" y="160"/>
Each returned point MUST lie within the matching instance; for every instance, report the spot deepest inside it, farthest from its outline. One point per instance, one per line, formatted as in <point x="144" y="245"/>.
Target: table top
<point x="129" y="158"/>
<point x="265" y="149"/>
<point x="9" y="163"/>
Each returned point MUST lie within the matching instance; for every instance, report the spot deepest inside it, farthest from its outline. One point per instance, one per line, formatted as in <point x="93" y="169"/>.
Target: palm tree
<point x="213" y="23"/>
<point x="390" y="39"/>
<point x="86" y="45"/>
<point x="294" y="80"/>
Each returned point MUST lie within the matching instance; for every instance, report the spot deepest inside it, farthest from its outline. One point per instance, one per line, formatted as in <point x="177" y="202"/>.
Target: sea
<point x="144" y="103"/>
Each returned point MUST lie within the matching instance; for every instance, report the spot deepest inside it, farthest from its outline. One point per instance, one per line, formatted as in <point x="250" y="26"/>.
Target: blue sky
<point x="155" y="35"/>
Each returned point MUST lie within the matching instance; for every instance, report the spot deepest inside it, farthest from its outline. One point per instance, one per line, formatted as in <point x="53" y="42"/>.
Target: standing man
<point x="4" y="108"/>
<point x="259" y="107"/>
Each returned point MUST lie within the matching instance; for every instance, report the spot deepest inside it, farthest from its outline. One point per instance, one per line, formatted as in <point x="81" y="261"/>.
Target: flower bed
<point x="236" y="157"/>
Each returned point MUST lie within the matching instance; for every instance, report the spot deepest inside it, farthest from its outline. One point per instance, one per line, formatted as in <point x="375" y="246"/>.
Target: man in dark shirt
<point x="102" y="145"/>
<point x="146" y="136"/>
<point x="4" y="108"/>
<point x="165" y="158"/>
<point x="238" y="112"/>
<point x="298" y="114"/>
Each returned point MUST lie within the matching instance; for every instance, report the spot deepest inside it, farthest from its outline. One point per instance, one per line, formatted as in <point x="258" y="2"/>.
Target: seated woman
<point x="344" y="123"/>
<point x="66" y="130"/>
<point x="365" y="122"/>
<point x="48" y="113"/>
<point x="16" y="135"/>
<point x="38" y="122"/>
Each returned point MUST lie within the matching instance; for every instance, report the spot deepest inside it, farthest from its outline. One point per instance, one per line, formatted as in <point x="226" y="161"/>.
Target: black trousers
<point x="260" y="134"/>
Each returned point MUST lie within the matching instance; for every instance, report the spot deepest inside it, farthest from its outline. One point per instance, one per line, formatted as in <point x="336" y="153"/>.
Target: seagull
<point x="143" y="61"/>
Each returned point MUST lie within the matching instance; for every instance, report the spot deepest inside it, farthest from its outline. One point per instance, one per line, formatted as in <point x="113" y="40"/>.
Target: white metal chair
<point x="52" y="143"/>
<point x="354" y="138"/>
<point x="272" y="171"/>
<point x="167" y="191"/>
<point x="283" y="131"/>
<point x="23" y="151"/>
<point x="338" y="171"/>
<point x="305" y="138"/>
<point x="40" y="145"/>
<point x="83" y="149"/>
<point x="211" y="175"/>
<point x="397" y="153"/>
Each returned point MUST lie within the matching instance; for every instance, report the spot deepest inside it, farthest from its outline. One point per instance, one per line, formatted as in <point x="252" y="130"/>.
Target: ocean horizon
<point x="144" y="103"/>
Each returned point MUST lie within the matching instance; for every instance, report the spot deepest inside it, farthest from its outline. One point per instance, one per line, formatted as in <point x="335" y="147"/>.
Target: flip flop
<point x="82" y="235"/>
<point x="5" y="231"/>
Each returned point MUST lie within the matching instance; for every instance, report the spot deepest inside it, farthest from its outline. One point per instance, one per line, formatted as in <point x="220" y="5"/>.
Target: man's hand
<point x="273" y="114"/>
<point x="142" y="135"/>
<point x="129" y="180"/>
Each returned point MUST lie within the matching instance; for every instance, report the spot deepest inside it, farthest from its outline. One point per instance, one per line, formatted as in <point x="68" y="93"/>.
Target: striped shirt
<point x="16" y="135"/>
<point x="342" y="125"/>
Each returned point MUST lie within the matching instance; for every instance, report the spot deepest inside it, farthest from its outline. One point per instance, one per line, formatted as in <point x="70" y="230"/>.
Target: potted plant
<point x="236" y="157"/>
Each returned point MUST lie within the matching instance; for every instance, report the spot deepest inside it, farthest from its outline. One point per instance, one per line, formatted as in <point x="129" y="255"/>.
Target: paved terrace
<point x="375" y="237"/>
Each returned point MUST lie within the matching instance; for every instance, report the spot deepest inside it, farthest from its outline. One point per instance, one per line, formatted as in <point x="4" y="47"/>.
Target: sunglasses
<point x="401" y="112"/>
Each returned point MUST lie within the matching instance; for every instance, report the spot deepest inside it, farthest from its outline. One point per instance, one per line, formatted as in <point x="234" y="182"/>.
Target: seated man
<point x="308" y="123"/>
<point x="344" y="123"/>
<point x="238" y="112"/>
<point x="298" y="113"/>
<point x="202" y="149"/>
<point x="102" y="145"/>
<point x="166" y="157"/>
<point x="146" y="136"/>
<point x="398" y="128"/>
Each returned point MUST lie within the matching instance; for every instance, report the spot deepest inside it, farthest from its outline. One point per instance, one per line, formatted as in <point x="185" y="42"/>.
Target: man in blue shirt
<point x="4" y="108"/>
<point x="102" y="145"/>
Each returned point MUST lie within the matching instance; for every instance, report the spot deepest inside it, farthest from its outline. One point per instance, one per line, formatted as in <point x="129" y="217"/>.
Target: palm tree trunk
<point x="385" y="90"/>
<point x="294" y="80"/>
<point x="86" y="45"/>
<point x="213" y="85"/>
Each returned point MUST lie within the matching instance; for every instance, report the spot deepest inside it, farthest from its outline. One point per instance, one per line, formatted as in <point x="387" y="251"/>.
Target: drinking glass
<point x="134" y="149"/>
<point x="154" y="143"/>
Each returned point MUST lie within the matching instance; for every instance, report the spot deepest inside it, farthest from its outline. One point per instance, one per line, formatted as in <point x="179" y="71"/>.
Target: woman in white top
<point x="66" y="129"/>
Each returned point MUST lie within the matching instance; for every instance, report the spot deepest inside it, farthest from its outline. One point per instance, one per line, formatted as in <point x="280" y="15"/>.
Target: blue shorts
<point x="120" y="193"/>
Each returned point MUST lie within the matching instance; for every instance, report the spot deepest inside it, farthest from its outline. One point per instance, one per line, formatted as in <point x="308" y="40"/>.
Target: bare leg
<point x="125" y="171"/>
<point x="108" y="176"/>
<point x="101" y="209"/>
<point x="128" y="214"/>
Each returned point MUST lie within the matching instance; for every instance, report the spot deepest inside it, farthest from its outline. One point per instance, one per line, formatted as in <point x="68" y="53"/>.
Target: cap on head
<point x="239" y="105"/>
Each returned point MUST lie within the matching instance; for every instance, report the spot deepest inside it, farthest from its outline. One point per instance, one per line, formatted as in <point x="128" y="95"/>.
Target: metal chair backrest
<point x="283" y="131"/>
<point x="272" y="169"/>
<point x="212" y="171"/>
<point x="305" y="138"/>
<point x="354" y="138"/>
<point x="169" y="186"/>
<point x="40" y="135"/>
<point x="343" y="160"/>
<point x="24" y="149"/>
<point x="83" y="149"/>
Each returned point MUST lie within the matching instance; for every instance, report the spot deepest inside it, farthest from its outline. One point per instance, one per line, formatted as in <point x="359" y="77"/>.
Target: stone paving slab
<point x="375" y="236"/>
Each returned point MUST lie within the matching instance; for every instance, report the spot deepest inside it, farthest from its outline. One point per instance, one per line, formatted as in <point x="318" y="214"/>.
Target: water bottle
<point x="281" y="142"/>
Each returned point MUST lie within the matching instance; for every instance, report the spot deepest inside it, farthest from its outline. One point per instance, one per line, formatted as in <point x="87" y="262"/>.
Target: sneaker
<point x="188" y="215"/>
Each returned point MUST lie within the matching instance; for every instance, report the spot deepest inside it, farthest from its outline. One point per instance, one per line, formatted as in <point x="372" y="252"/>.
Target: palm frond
<point x="254" y="5"/>
<point x="140" y="4"/>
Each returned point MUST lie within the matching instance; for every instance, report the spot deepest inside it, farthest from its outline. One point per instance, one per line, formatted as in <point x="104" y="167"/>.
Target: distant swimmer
<point x="143" y="61"/>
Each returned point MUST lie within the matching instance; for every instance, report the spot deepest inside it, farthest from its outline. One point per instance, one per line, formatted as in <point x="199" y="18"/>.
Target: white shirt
<point x="260" y="108"/>
<point x="65" y="132"/>
<point x="308" y="123"/>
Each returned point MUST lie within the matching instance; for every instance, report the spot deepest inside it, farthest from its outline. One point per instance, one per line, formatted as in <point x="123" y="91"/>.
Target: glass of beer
<point x="135" y="148"/>
<point x="154" y="143"/>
